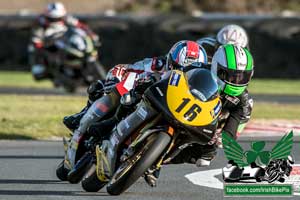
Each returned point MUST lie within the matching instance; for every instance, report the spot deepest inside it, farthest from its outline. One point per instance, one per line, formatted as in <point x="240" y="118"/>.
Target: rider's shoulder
<point x="211" y="40"/>
<point x="70" y="20"/>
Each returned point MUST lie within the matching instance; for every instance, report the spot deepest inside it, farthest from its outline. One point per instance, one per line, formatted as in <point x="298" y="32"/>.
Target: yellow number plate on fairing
<point x="185" y="107"/>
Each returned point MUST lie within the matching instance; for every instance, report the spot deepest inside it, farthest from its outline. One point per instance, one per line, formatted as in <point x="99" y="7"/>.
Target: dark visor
<point x="51" y="19"/>
<point x="237" y="77"/>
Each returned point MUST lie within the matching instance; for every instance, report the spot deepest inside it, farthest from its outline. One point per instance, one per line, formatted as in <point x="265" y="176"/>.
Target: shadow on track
<point x="30" y="157"/>
<point x="50" y="193"/>
<point x="14" y="136"/>
<point x="30" y="181"/>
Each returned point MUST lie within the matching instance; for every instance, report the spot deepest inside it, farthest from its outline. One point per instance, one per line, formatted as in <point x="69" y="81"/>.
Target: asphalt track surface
<point x="27" y="171"/>
<point x="286" y="99"/>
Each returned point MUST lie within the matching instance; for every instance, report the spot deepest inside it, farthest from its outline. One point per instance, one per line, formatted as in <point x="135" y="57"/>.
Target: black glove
<point x="159" y="63"/>
<point x="95" y="90"/>
<point x="144" y="83"/>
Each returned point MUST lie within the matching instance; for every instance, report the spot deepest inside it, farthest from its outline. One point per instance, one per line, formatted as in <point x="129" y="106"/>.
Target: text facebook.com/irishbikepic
<point x="149" y="99"/>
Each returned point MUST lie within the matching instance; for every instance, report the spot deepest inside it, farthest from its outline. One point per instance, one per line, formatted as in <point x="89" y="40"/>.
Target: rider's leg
<point x="95" y="91"/>
<point x="99" y="109"/>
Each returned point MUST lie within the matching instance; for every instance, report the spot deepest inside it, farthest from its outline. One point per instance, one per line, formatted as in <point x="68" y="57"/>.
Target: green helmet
<point x="233" y="67"/>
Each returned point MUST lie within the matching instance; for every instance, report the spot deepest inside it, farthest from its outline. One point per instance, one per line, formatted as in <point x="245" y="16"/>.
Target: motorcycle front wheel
<point x="136" y="165"/>
<point x="90" y="182"/>
<point x="79" y="170"/>
<point x="62" y="172"/>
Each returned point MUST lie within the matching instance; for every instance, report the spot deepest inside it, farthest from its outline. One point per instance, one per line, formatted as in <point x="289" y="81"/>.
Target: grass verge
<point x="257" y="86"/>
<point x="275" y="87"/>
<point x="21" y="79"/>
<point x="36" y="117"/>
<point x="40" y="117"/>
<point x="276" y="111"/>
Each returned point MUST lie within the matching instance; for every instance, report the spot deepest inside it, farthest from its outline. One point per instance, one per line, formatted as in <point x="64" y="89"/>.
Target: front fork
<point x="169" y="130"/>
<point x="71" y="149"/>
<point x="107" y="154"/>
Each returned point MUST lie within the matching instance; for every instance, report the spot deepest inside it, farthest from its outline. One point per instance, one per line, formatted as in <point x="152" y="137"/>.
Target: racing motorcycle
<point x="180" y="109"/>
<point x="70" y="58"/>
<point x="85" y="154"/>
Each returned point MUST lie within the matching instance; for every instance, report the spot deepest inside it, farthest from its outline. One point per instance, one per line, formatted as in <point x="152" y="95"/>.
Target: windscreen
<point x="202" y="84"/>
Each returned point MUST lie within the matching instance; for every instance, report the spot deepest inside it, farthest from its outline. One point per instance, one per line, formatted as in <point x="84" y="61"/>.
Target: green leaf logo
<point x="258" y="146"/>
<point x="234" y="151"/>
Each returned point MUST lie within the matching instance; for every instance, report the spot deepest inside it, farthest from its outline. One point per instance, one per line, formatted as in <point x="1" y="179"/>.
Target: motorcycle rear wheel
<point x="135" y="166"/>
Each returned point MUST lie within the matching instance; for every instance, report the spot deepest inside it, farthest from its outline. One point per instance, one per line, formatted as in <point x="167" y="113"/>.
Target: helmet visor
<point x="235" y="77"/>
<point x="53" y="19"/>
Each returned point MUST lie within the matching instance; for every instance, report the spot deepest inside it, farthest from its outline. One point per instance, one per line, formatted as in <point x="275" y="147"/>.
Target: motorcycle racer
<point x="229" y="34"/>
<point x="233" y="67"/>
<point x="148" y="65"/>
<point x="183" y="53"/>
<point x="53" y="20"/>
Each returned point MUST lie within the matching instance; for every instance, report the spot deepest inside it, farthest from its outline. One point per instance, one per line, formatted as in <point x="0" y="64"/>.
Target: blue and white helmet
<point x="184" y="53"/>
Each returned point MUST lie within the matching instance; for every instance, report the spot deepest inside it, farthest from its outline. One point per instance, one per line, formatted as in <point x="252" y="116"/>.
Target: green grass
<point x="21" y="79"/>
<point x="274" y="86"/>
<point x="36" y="117"/>
<point x="276" y="111"/>
<point x="257" y="86"/>
<point x="40" y="117"/>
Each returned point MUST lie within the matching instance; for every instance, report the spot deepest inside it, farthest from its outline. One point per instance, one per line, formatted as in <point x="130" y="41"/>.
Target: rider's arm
<point x="239" y="116"/>
<point x="150" y="65"/>
<point x="210" y="45"/>
<point x="36" y="44"/>
<point x="72" y="21"/>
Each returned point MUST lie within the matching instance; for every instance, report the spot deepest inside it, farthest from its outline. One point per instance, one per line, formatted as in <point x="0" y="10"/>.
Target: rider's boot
<point x="72" y="121"/>
<point x="208" y="154"/>
<point x="151" y="176"/>
<point x="95" y="91"/>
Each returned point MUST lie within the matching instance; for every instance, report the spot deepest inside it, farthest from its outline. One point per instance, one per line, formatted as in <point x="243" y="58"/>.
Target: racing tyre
<point x="76" y="174"/>
<point x="62" y="172"/>
<point x="136" y="165"/>
<point x="90" y="182"/>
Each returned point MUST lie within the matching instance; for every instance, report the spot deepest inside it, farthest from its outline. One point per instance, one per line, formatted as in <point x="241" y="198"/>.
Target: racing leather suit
<point x="115" y="89"/>
<point x="118" y="80"/>
<point x="144" y="68"/>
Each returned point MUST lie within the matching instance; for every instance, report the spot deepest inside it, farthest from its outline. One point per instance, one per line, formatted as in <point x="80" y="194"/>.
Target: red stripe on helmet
<point x="192" y="49"/>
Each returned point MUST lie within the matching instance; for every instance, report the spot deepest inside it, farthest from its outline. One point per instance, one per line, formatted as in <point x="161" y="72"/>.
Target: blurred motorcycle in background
<point x="69" y="58"/>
